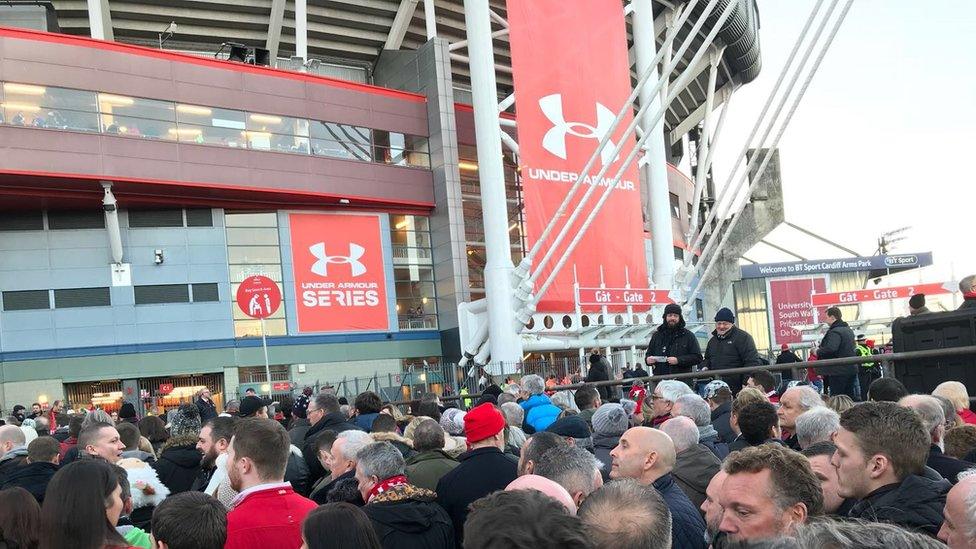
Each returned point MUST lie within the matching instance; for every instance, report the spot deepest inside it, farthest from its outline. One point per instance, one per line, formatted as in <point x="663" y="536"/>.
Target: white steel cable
<point x="706" y="225"/>
<point x="772" y="147"/>
<point x="679" y="86"/>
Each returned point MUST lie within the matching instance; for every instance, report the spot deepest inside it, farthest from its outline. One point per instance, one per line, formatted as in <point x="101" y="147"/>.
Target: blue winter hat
<point x="724" y="315"/>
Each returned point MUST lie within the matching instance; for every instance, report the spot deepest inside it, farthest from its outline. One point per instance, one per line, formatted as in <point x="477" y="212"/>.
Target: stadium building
<point x="155" y="155"/>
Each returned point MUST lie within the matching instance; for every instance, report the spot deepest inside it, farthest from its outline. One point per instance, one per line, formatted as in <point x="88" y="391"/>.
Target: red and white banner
<point x="788" y="302"/>
<point x="340" y="280"/>
<point x="880" y="294"/>
<point x="634" y="297"/>
<point x="572" y="75"/>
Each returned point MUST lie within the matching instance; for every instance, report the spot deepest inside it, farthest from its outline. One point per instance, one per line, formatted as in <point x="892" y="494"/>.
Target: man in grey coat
<point x="695" y="465"/>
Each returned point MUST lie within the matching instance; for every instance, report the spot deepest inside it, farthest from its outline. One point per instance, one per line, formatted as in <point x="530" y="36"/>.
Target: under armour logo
<point x="555" y="139"/>
<point x="321" y="267"/>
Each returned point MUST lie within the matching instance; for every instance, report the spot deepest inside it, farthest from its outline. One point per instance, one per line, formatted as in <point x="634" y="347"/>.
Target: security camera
<point x="158" y="257"/>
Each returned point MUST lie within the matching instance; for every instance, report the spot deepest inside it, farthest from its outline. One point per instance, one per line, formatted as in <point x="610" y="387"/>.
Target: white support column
<point x="274" y="28"/>
<point x="705" y="145"/>
<point x="656" y="169"/>
<point x="504" y="341"/>
<point x="401" y="21"/>
<point x="429" y="20"/>
<point x="100" y="20"/>
<point x="301" y="29"/>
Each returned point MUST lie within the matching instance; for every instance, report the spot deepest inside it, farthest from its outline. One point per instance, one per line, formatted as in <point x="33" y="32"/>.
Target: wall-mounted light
<point x="468" y="166"/>
<point x="343" y="201"/>
<point x="158" y="257"/>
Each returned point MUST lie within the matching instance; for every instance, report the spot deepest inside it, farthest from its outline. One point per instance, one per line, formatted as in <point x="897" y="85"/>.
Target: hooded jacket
<point x="406" y="517"/>
<point x="678" y="342"/>
<point x="32" y="477"/>
<point x="365" y="421"/>
<point x="916" y="504"/>
<point x="838" y="342"/>
<point x="602" y="445"/>
<point x="720" y="420"/>
<point x="179" y="463"/>
<point x="426" y="468"/>
<point x="687" y="525"/>
<point x="12" y="460"/>
<point x="404" y="445"/>
<point x="693" y="470"/>
<point x="540" y="413"/>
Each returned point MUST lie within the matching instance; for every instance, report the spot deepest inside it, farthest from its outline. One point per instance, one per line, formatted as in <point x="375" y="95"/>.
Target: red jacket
<point x="268" y="519"/>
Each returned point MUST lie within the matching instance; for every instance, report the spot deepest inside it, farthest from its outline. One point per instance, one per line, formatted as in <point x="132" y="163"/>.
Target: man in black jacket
<point x="838" y="342"/>
<point x="323" y="413"/>
<point x="42" y="463"/>
<point x="599" y="371"/>
<point x="730" y="347"/>
<point x="881" y="454"/>
<point x="786" y="356"/>
<point x="674" y="342"/>
<point x="403" y="515"/>
<point x="206" y="406"/>
<point x="482" y="470"/>
<point x="930" y="412"/>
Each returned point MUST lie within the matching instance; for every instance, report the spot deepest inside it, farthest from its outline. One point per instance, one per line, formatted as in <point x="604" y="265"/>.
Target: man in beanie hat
<point x="786" y="356"/>
<point x="673" y="349"/>
<point x="916" y="305"/>
<point x="178" y="464"/>
<point x="127" y="413"/>
<point x="482" y="470"/>
<point x="253" y="406"/>
<point x="730" y="347"/>
<point x="609" y="422"/>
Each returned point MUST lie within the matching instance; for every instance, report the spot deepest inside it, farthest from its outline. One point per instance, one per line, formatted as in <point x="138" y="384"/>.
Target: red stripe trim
<point x="81" y="41"/>
<point x="222" y="186"/>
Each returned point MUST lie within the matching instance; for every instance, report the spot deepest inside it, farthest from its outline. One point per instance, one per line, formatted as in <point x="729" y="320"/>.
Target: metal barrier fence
<point x="885" y="360"/>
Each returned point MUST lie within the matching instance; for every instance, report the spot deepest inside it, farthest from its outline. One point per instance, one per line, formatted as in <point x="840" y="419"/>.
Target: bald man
<point x="712" y="507"/>
<point x="959" y="529"/>
<point x="13" y="450"/>
<point x="648" y="456"/>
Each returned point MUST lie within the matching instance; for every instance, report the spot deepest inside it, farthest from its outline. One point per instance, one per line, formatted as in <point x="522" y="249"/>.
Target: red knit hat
<point x="482" y="422"/>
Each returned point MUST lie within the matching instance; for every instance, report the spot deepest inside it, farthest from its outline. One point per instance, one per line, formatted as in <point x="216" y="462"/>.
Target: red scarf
<point x="384" y="485"/>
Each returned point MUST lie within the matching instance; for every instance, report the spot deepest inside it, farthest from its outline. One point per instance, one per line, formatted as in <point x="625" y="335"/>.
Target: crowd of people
<point x="745" y="462"/>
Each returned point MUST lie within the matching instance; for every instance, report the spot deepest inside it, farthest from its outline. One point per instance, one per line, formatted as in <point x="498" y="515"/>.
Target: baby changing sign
<point x="340" y="281"/>
<point x="258" y="296"/>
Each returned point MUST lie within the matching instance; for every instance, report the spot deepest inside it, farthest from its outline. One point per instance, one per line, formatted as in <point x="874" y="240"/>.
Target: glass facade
<point x="48" y="107"/>
<point x="474" y="230"/>
<point x="253" y="249"/>
<point x="413" y="272"/>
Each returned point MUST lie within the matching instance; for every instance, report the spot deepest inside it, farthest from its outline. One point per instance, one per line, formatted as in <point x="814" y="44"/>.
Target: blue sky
<point x="885" y="136"/>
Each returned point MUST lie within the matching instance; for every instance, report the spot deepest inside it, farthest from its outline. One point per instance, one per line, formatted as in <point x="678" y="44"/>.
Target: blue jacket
<point x="364" y="421"/>
<point x="687" y="525"/>
<point x="540" y="413"/>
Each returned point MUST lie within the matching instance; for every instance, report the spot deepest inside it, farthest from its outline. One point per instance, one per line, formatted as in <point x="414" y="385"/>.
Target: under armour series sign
<point x="340" y="280"/>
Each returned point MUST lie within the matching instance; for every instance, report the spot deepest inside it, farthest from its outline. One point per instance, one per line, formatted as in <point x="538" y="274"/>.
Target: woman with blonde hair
<point x="957" y="394"/>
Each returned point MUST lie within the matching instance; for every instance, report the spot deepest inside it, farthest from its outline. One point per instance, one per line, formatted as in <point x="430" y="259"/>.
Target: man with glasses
<point x="323" y="415"/>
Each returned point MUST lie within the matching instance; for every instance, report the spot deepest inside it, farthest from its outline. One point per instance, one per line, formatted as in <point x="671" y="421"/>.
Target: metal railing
<point x="885" y="360"/>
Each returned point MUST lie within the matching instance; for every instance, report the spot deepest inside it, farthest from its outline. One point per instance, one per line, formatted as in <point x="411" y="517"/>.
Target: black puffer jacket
<point x="735" y="349"/>
<point x="838" y="342"/>
<point x="720" y="420"/>
<point x="687" y="525"/>
<point x="179" y="464"/>
<point x="915" y="504"/>
<point x="406" y="517"/>
<point x="678" y="342"/>
<point x="602" y="446"/>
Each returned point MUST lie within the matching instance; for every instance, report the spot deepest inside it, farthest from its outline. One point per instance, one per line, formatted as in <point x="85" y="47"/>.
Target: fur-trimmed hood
<point x="147" y="489"/>
<point x="391" y="437"/>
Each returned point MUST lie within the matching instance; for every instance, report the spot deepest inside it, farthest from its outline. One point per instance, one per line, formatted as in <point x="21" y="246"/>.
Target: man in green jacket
<point x="426" y="467"/>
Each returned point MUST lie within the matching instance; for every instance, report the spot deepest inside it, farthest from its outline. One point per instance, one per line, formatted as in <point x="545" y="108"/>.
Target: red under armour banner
<point x="572" y="75"/>
<point x="340" y="280"/>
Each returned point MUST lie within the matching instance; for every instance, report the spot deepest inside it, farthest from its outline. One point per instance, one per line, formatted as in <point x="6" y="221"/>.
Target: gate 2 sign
<point x="258" y="296"/>
<point x="789" y="306"/>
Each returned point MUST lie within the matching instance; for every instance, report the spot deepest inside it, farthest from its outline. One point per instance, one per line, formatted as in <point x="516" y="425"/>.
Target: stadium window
<point x="82" y="297"/>
<point x="155" y="294"/>
<point x="675" y="206"/>
<point x="26" y="300"/>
